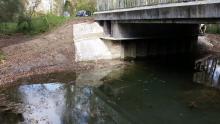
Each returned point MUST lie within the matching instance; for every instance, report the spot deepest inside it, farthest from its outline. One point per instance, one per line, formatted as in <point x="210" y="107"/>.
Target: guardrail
<point x="104" y="5"/>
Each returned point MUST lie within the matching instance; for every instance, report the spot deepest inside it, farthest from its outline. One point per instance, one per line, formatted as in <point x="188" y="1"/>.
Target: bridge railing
<point x="104" y="5"/>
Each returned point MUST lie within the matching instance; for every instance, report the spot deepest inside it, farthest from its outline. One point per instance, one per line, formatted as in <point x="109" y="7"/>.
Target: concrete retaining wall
<point x="88" y="45"/>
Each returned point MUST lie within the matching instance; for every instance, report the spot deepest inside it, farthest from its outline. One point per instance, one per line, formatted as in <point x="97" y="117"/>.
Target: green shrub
<point x="2" y="56"/>
<point x="45" y="23"/>
<point x="10" y="9"/>
<point x="36" y="25"/>
<point x="8" y="28"/>
<point x="89" y="5"/>
<point x="22" y="27"/>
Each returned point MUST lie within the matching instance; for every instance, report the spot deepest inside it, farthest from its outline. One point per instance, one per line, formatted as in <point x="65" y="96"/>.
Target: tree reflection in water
<point x="137" y="93"/>
<point x="77" y="104"/>
<point x="56" y="103"/>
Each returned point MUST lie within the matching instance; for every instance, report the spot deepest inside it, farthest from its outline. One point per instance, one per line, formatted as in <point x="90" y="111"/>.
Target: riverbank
<point x="210" y="43"/>
<point x="215" y="40"/>
<point x="47" y="53"/>
<point x="54" y="52"/>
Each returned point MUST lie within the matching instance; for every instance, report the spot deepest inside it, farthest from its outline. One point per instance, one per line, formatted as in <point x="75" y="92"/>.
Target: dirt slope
<point x="47" y="53"/>
<point x="215" y="40"/>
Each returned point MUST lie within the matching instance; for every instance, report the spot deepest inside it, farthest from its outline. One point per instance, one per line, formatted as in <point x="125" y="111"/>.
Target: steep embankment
<point x="47" y="53"/>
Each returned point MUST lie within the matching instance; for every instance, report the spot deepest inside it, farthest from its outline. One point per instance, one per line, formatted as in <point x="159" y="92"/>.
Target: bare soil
<point x="48" y="53"/>
<point x="215" y="40"/>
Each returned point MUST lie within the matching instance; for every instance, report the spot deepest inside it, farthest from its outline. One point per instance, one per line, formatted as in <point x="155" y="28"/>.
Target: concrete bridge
<point x="155" y="27"/>
<point x="159" y="11"/>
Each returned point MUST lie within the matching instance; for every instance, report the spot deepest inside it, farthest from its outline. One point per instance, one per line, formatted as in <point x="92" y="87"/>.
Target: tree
<point x="25" y="17"/>
<point x="69" y="7"/>
<point x="89" y="5"/>
<point x="10" y="10"/>
<point x="31" y="6"/>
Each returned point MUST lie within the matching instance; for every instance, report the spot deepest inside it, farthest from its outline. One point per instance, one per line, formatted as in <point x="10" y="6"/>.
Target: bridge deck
<point x="105" y="5"/>
<point x="193" y="11"/>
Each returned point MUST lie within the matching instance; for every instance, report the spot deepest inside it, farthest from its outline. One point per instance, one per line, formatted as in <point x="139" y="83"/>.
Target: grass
<point x="39" y="24"/>
<point x="2" y="56"/>
<point x="45" y="23"/>
<point x="213" y="29"/>
<point x="8" y="28"/>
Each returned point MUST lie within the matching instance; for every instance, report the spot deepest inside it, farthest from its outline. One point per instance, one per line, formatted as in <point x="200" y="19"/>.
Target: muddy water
<point x="140" y="93"/>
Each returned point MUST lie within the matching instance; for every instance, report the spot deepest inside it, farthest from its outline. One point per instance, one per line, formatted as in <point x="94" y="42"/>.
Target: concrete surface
<point x="204" y="11"/>
<point x="88" y="44"/>
<point x="105" y="5"/>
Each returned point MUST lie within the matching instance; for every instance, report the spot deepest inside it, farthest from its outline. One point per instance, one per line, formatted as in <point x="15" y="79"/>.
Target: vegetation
<point x="2" y="57"/>
<point x="38" y="24"/>
<point x="89" y="5"/>
<point x="41" y="24"/>
<point x="72" y="6"/>
<point x="8" y="28"/>
<point x="10" y="10"/>
<point x="69" y="7"/>
<point x="16" y="18"/>
<point x="213" y="28"/>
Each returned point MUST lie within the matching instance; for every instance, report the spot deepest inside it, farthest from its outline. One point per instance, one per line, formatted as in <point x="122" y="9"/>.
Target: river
<point x="143" y="92"/>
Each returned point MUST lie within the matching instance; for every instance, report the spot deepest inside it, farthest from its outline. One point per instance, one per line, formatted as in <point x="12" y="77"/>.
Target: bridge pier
<point x="140" y="40"/>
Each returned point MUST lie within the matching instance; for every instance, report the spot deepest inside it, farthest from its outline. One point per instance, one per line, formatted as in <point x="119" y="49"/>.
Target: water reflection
<point x="136" y="94"/>
<point x="55" y="103"/>
<point x="43" y="103"/>
<point x="56" y="98"/>
<point x="161" y="95"/>
<point x="208" y="71"/>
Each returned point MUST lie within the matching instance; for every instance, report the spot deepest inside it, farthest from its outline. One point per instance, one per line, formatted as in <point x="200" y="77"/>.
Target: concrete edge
<point x="169" y="5"/>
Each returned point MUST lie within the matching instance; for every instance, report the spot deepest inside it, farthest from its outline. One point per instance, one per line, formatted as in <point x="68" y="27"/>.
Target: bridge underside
<point x="140" y="40"/>
<point x="165" y="29"/>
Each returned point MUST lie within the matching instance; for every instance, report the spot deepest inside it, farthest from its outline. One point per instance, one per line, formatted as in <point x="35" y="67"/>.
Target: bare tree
<point x="31" y="7"/>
